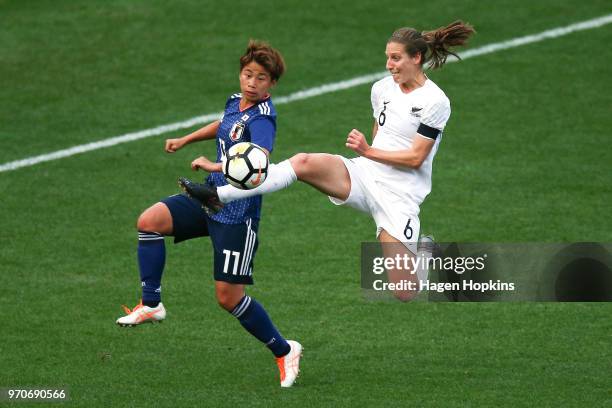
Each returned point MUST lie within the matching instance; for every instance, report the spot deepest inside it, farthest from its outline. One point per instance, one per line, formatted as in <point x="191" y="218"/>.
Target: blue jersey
<point x="256" y="124"/>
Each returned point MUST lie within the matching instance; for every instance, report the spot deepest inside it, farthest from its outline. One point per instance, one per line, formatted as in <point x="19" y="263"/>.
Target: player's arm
<point x="374" y="129"/>
<point x="204" y="133"/>
<point x="411" y="158"/>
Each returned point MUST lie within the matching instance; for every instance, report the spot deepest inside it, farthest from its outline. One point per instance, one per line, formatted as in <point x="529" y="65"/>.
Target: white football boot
<point x="289" y="365"/>
<point x="142" y="314"/>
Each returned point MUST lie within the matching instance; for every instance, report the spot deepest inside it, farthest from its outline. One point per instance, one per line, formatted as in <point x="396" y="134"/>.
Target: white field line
<point x="300" y="95"/>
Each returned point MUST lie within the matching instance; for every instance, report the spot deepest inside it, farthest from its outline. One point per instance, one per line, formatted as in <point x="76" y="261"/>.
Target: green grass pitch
<point x="526" y="157"/>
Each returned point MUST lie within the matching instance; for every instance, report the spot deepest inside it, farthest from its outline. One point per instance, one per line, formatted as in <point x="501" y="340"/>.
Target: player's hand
<point x="356" y="141"/>
<point x="202" y="163"/>
<point x="172" y="145"/>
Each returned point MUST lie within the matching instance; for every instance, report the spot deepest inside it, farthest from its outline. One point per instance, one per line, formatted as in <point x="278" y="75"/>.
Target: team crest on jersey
<point x="236" y="131"/>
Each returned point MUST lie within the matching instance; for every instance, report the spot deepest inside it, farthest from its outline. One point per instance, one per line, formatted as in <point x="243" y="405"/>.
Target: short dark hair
<point x="262" y="53"/>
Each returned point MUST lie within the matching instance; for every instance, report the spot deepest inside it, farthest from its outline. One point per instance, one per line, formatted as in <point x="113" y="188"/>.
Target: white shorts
<point x="398" y="215"/>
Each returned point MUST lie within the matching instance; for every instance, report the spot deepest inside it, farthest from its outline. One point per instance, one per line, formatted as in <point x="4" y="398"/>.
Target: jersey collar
<point x="265" y="98"/>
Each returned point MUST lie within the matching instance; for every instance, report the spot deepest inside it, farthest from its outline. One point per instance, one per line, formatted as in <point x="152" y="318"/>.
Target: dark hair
<point x="437" y="42"/>
<point x="262" y="53"/>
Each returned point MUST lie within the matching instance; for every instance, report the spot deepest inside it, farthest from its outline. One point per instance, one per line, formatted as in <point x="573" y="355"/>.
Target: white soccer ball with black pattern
<point x="245" y="165"/>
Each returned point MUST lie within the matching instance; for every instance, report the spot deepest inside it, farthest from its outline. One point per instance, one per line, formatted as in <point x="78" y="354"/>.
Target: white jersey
<point x="399" y="117"/>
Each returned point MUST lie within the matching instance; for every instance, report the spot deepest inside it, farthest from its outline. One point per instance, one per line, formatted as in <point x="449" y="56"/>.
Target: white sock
<point x="279" y="176"/>
<point x="423" y="268"/>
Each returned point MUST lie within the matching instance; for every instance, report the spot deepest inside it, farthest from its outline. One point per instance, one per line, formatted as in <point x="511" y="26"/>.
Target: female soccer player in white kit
<point x="392" y="177"/>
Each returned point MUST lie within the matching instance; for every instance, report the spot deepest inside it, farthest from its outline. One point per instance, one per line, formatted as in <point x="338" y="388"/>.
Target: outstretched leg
<point x="325" y="172"/>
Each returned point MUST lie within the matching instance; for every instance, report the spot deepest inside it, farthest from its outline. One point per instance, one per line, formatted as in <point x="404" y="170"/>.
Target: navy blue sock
<point x="256" y="321"/>
<point x="151" y="261"/>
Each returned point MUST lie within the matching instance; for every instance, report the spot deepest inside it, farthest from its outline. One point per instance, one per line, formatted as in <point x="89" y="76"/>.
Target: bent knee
<point x="405" y="295"/>
<point x="147" y="222"/>
<point x="300" y="160"/>
<point x="156" y="218"/>
<point x="226" y="301"/>
<point x="301" y="164"/>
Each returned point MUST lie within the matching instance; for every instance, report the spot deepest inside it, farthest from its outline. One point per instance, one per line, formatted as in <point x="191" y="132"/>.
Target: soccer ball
<point x="245" y="165"/>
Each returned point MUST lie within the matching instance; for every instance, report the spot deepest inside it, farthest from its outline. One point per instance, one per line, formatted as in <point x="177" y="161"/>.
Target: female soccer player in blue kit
<point x="249" y="116"/>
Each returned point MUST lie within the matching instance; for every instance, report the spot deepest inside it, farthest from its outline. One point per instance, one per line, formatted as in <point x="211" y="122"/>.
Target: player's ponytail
<point x="434" y="46"/>
<point x="439" y="41"/>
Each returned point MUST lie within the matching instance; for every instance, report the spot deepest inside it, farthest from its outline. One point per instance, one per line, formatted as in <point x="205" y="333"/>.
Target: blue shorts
<point x="234" y="245"/>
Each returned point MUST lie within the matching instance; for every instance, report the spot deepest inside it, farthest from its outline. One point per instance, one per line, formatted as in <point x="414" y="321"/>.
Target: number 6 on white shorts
<point x="408" y="230"/>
